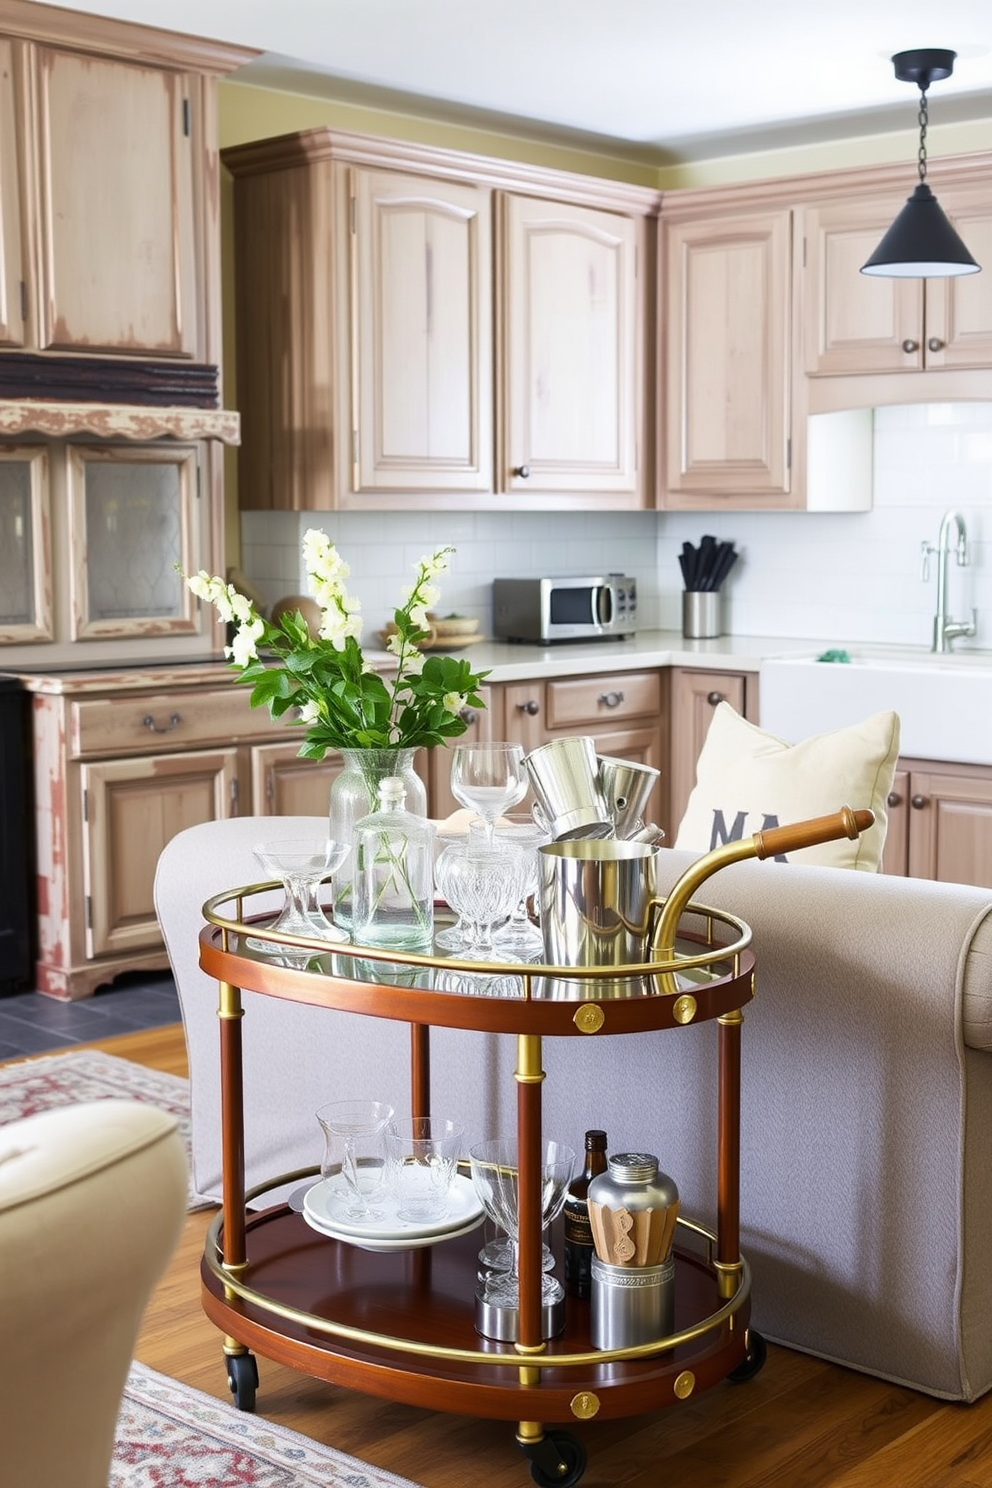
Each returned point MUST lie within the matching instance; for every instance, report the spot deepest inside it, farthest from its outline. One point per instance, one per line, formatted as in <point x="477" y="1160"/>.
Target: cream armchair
<point x="92" y="1201"/>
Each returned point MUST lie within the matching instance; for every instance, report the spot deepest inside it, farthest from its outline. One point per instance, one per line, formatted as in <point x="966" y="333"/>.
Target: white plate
<point x="326" y="1206"/>
<point x="414" y="1240"/>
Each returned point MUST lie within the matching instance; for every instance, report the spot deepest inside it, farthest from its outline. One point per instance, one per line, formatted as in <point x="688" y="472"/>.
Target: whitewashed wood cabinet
<point x="421" y="329"/>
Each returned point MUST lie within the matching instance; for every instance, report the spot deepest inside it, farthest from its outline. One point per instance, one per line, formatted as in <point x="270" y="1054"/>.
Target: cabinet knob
<point x="522" y="470"/>
<point x="611" y="699"/>
<point x="149" y="723"/>
<point x="530" y="707"/>
<point x="468" y="715"/>
<point x="893" y="799"/>
<point x="935" y="344"/>
<point x="713" y="698"/>
<point x="918" y="802"/>
<point x="910" y="346"/>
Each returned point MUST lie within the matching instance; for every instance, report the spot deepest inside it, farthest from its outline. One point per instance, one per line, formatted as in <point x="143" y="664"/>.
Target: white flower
<point x="199" y="584"/>
<point x="413" y="664"/>
<point x="453" y="701"/>
<point x="244" y="647"/>
<point x="429" y="594"/>
<point x="418" y="617"/>
<point x="309" y="711"/>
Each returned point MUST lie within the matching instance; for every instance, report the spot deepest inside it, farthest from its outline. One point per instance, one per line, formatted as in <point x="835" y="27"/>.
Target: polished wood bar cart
<point x="401" y="1325"/>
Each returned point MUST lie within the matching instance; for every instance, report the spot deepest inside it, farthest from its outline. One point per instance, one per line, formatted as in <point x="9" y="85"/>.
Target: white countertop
<point x="509" y="662"/>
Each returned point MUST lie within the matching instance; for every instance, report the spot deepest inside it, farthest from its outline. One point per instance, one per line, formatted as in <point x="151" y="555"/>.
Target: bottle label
<point x="578" y="1230"/>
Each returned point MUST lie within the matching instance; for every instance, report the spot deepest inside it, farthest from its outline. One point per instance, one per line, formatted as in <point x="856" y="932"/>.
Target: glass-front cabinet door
<point x="132" y="520"/>
<point x="25" y="547"/>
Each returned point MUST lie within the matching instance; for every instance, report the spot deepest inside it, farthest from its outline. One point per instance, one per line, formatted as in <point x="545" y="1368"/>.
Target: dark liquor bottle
<point x="578" y="1235"/>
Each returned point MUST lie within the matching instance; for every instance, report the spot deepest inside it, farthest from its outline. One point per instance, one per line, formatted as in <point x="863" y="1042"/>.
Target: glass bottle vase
<point x="354" y="794"/>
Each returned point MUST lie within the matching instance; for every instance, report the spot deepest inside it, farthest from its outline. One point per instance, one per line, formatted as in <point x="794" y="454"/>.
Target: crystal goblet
<point x="525" y="835"/>
<point x="482" y="885"/>
<point x="495" y="1176"/>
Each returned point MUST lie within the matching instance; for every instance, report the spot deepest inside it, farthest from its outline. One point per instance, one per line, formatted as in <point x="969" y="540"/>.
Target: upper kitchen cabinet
<point x="572" y="323"/>
<point x="108" y="183"/>
<point x="859" y="323"/>
<point x="726" y="321"/>
<point x="12" y="258"/>
<point x="421" y="328"/>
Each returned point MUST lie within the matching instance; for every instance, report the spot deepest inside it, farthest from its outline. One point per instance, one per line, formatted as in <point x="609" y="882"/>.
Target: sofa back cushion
<point x="748" y="780"/>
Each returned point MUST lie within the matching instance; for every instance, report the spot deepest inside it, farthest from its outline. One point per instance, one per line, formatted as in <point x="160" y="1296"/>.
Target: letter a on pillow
<point x="747" y="780"/>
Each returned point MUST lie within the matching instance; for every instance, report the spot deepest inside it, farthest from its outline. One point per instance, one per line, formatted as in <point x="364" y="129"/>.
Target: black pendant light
<point x="921" y="243"/>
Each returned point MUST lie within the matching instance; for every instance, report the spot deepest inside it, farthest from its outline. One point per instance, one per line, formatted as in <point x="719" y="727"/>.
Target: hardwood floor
<point x="800" y="1424"/>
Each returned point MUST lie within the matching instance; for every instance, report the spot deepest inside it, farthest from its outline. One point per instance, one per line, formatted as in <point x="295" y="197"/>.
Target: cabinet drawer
<point x="591" y="700"/>
<point x="136" y="725"/>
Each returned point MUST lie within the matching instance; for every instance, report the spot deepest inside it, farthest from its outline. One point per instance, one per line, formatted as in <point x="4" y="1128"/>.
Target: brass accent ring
<point x="589" y="1018"/>
<point x="584" y="1405"/>
<point x="684" y="1385"/>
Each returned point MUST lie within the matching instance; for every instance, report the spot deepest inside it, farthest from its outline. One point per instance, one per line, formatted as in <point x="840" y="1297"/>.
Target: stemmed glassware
<point x="302" y="863"/>
<point x="355" y="1148"/>
<point x="482" y="884"/>
<point x="524" y="835"/>
<point x="488" y="779"/>
<point x="496" y="1178"/>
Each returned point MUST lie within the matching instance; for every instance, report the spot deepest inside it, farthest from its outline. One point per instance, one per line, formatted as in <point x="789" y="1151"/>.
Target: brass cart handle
<point x="767" y="844"/>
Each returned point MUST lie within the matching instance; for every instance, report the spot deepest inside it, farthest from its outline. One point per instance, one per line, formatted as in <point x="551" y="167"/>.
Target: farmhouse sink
<point x="944" y="701"/>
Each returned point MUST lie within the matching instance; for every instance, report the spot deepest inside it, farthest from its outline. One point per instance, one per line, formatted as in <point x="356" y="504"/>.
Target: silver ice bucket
<point x="598" y="902"/>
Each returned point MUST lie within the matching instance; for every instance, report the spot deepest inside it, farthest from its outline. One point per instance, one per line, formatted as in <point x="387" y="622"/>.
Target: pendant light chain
<point x="923" y="120"/>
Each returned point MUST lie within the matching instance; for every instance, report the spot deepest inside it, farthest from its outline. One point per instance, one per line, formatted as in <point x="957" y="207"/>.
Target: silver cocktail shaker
<point x="632" y="1212"/>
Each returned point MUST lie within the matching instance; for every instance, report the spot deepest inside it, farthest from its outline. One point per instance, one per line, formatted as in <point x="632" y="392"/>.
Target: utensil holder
<point x="701" y="614"/>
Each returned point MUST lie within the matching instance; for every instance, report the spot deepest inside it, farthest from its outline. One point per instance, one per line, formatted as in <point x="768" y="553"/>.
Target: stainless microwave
<point x="567" y="609"/>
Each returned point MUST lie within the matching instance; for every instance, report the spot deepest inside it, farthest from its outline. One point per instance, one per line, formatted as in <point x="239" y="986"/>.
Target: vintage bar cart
<point x="401" y="1324"/>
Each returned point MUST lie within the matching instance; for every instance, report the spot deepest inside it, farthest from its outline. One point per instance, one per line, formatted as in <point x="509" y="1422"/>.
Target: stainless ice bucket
<point x="564" y="776"/>
<point x="597" y="902"/>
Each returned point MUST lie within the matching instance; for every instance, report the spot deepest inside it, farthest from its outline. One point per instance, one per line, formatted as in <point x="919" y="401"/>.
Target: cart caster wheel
<point x="757" y="1353"/>
<point x="242" y="1376"/>
<point x="558" y="1460"/>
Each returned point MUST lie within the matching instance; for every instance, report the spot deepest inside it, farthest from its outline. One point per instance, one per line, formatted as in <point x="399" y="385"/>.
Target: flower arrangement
<point x="340" y="697"/>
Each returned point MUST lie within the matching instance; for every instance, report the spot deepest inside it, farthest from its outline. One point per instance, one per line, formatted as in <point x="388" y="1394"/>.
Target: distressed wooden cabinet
<point x="940" y="822"/>
<point x="694" y="695"/>
<point x="109" y="176"/>
<point x="380" y="284"/>
<point x="122" y="762"/>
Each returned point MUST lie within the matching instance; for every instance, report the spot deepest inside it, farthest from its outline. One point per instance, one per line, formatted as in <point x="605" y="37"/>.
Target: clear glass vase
<point x="354" y="794"/>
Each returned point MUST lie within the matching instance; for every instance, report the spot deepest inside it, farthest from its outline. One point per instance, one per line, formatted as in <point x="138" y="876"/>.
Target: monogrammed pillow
<point x="748" y="780"/>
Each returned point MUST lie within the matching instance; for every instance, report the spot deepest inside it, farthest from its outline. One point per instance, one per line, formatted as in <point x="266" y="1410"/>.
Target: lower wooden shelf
<point x="419" y="1305"/>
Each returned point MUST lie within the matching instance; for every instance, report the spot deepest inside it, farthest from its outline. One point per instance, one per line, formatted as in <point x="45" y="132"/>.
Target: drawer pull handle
<point x="530" y="707"/>
<point x="910" y="346"/>
<point x="611" y="699"/>
<point x="468" y="715"/>
<point x="893" y="799"/>
<point x="713" y="698"/>
<point x="918" y="802"/>
<point x="522" y="472"/>
<point x="935" y="344"/>
<point x="152" y="726"/>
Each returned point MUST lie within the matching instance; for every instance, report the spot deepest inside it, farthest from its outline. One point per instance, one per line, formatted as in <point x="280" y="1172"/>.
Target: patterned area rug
<point x="36" y="1085"/>
<point x="170" y="1434"/>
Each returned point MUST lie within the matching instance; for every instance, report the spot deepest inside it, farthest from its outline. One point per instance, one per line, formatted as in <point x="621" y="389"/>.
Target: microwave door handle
<point x="603" y="604"/>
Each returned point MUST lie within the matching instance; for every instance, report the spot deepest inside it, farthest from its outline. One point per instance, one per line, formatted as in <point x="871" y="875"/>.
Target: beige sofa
<point x="867" y="1097"/>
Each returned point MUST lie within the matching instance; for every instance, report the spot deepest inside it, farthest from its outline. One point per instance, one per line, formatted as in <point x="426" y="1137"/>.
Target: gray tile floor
<point x="31" y="1023"/>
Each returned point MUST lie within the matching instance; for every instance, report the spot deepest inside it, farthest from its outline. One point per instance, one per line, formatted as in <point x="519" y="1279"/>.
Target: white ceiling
<point x="673" y="79"/>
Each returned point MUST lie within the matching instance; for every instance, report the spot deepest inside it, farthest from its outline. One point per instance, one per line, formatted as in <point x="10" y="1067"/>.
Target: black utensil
<point x="724" y="563"/>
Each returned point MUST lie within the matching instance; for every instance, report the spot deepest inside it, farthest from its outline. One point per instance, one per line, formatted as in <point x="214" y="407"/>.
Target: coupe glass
<point x="355" y="1148"/>
<point x="489" y="779"/>
<point x="302" y="863"/>
<point x="495" y="1176"/>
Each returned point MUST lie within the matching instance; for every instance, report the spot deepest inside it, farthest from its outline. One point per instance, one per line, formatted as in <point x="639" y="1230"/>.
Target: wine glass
<point x="495" y="1177"/>
<point x="302" y="863"/>
<point x="355" y="1148"/>
<point x="489" y="779"/>
<point x="525" y="836"/>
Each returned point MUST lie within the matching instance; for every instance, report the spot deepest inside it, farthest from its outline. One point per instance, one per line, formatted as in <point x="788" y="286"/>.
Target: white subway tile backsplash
<point x="853" y="576"/>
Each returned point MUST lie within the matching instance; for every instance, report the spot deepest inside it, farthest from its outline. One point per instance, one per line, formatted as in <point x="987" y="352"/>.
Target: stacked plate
<point x="325" y="1208"/>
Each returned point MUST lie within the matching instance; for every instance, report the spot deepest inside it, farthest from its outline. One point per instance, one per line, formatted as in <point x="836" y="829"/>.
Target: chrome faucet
<point x="944" y="628"/>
